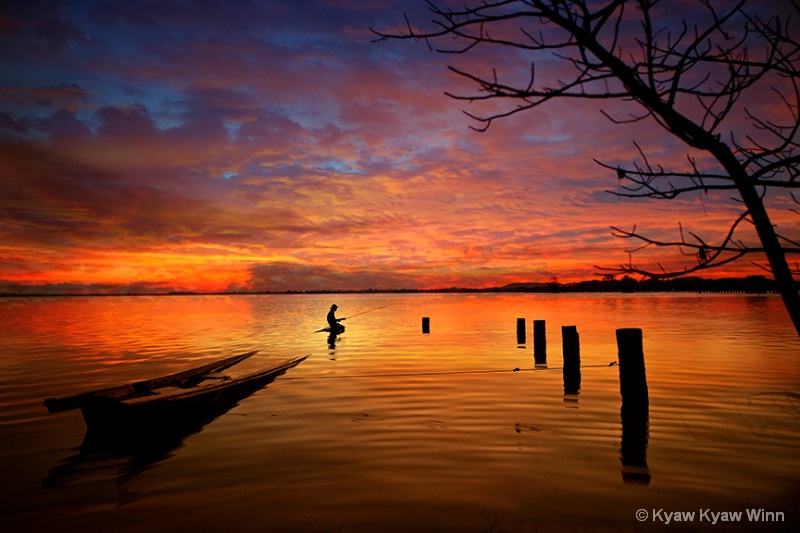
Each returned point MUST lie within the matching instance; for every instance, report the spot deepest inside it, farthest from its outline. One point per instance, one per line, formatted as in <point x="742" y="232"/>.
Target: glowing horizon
<point x="280" y="149"/>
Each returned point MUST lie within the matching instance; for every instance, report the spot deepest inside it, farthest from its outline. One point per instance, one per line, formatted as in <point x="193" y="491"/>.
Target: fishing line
<point x="446" y="373"/>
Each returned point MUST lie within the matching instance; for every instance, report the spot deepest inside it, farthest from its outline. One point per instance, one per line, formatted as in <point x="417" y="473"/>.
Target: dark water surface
<point x="395" y="430"/>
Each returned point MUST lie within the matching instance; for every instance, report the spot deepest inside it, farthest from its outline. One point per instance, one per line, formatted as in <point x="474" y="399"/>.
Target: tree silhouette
<point x="691" y="77"/>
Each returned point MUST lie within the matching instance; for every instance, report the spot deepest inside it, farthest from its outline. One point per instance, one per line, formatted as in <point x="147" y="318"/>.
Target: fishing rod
<point x="368" y="311"/>
<point x="357" y="314"/>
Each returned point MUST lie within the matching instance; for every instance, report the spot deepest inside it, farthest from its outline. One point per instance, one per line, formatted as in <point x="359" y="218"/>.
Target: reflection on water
<point x="333" y="337"/>
<point x="98" y="459"/>
<point x="386" y="427"/>
<point x="633" y="448"/>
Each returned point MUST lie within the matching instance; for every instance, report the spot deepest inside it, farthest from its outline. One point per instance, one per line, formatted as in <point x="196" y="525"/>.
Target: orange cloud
<point x="292" y="153"/>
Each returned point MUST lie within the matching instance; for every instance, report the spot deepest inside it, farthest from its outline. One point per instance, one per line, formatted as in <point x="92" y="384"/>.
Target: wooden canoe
<point x="141" y="388"/>
<point x="168" y="399"/>
<point x="339" y="329"/>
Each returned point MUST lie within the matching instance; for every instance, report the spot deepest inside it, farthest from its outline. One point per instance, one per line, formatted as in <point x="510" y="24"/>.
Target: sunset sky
<point x="271" y="145"/>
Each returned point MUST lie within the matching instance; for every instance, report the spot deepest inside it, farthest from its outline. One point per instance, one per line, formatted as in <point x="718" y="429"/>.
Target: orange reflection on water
<point x="127" y="322"/>
<point x="398" y="420"/>
<point x="107" y="340"/>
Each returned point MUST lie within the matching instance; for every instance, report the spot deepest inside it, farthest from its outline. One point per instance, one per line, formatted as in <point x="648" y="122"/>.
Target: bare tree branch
<point x="691" y="78"/>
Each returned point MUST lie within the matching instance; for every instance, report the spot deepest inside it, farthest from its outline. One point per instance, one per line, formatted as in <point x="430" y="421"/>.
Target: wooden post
<point x="426" y="324"/>
<point x="572" y="359"/>
<point x="521" y="334"/>
<point x="635" y="409"/>
<point x="632" y="378"/>
<point x="539" y="343"/>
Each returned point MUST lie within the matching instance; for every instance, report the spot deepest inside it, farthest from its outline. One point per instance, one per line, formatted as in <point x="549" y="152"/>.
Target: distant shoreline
<point x="747" y="285"/>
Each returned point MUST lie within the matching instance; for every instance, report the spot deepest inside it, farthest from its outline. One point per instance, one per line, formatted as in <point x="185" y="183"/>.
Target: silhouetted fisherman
<point x="333" y="322"/>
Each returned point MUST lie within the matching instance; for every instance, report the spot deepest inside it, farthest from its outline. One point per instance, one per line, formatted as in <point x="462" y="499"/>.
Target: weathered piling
<point x="635" y="408"/>
<point x="539" y="343"/>
<point x="572" y="359"/>
<point x="521" y="334"/>
<point x="632" y="378"/>
<point x="426" y="324"/>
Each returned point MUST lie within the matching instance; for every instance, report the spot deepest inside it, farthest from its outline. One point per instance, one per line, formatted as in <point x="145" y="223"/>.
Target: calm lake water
<point x="391" y="429"/>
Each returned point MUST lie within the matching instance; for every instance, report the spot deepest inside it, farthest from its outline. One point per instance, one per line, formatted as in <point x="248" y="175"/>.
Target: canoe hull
<point x="144" y="387"/>
<point x="168" y="408"/>
<point x="174" y="407"/>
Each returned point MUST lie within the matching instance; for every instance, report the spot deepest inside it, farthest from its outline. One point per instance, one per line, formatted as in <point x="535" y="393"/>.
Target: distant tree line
<point x="749" y="285"/>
